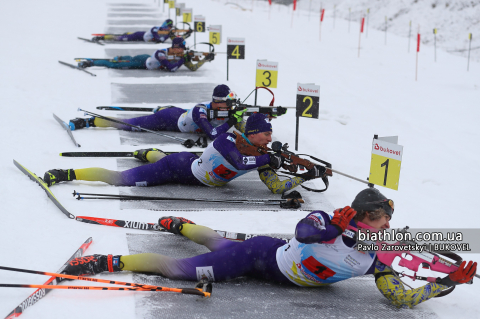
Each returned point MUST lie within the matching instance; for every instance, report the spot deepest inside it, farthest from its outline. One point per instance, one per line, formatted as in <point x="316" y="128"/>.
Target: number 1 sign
<point x="386" y="163"/>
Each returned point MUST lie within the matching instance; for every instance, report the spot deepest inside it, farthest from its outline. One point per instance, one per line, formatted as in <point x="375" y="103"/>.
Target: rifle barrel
<point x="349" y="176"/>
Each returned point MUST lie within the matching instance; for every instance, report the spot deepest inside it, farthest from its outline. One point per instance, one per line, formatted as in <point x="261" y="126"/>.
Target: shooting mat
<point x="248" y="186"/>
<point x="134" y="15"/>
<point x="248" y="298"/>
<point x="148" y="22"/>
<point x="162" y="93"/>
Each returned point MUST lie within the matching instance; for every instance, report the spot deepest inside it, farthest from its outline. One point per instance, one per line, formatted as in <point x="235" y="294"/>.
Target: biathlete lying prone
<point x="318" y="255"/>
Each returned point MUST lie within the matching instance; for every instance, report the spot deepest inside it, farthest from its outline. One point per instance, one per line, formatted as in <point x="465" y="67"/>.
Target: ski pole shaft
<point x="349" y="176"/>
<point x="97" y="154"/>
<point x="125" y="108"/>
<point x="111" y="154"/>
<point x="135" y="126"/>
<point x="130" y="197"/>
<point x="188" y="291"/>
<point x="91" y="279"/>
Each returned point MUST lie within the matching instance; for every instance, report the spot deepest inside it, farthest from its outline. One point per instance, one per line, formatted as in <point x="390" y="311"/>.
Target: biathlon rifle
<point x="211" y="114"/>
<point x="428" y="259"/>
<point x="292" y="162"/>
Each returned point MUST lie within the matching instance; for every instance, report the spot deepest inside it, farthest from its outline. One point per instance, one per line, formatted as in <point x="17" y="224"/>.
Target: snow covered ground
<point x="436" y="119"/>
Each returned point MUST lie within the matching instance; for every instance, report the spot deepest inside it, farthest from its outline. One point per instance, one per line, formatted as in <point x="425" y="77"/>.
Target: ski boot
<point x="172" y="224"/>
<point x="55" y="176"/>
<point x="79" y="123"/>
<point x="98" y="38"/>
<point x="92" y="265"/>
<point x="85" y="64"/>
<point x="142" y="155"/>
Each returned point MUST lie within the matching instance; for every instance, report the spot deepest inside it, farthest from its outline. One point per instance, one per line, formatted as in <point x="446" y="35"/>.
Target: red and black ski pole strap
<point x="110" y="263"/>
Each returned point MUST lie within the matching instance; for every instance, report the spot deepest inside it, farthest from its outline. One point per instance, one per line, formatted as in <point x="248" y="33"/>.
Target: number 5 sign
<point x="267" y="73"/>
<point x="215" y="34"/>
<point x="386" y="162"/>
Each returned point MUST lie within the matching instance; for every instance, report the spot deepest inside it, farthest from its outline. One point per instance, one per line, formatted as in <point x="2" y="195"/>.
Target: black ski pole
<point x="188" y="143"/>
<point x="284" y="201"/>
<point x="112" y="154"/>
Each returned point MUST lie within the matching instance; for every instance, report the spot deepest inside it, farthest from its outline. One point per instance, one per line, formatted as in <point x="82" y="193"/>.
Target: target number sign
<point x="267" y="74"/>
<point x="215" y="34"/>
<point x="385" y="164"/>
<point x="199" y="24"/>
<point x="236" y="48"/>
<point x="308" y="100"/>
<point x="187" y="15"/>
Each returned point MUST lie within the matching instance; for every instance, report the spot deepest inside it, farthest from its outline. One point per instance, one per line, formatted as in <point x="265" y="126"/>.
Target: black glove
<point x="315" y="172"/>
<point x="276" y="160"/>
<point x="210" y="57"/>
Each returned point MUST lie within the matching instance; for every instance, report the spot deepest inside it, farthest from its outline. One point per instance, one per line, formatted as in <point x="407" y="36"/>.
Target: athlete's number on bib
<point x="308" y="107"/>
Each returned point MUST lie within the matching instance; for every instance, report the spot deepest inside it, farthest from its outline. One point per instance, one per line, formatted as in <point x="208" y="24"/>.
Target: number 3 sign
<point x="267" y="73"/>
<point x="385" y="165"/>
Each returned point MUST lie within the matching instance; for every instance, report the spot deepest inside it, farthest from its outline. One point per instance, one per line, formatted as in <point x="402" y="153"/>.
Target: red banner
<point x="294" y="5"/>
<point x="323" y="13"/>
<point x="363" y="23"/>
<point x="418" y="42"/>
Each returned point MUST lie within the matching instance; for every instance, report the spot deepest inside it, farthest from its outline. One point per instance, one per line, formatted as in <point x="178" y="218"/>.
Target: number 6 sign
<point x="385" y="165"/>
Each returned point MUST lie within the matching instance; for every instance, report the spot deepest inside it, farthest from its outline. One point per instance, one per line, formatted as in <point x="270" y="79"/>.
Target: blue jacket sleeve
<point x="315" y="228"/>
<point x="200" y="118"/>
<point x="159" y="37"/>
<point x="161" y="56"/>
<point x="225" y="145"/>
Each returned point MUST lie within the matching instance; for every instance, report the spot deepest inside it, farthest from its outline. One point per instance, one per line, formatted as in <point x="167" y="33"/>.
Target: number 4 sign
<point x="235" y="49"/>
<point x="386" y="162"/>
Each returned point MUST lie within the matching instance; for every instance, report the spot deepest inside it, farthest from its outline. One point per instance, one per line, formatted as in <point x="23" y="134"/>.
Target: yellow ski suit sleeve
<point x="274" y="184"/>
<point x="393" y="289"/>
<point x="241" y="126"/>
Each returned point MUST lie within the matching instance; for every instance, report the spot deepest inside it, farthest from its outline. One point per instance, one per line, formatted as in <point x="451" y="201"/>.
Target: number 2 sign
<point x="385" y="164"/>
<point x="308" y="100"/>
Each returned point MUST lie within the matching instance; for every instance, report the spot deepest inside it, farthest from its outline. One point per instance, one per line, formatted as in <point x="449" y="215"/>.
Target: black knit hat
<point x="370" y="199"/>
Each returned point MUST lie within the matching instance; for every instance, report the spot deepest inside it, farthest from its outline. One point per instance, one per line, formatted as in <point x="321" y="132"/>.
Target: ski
<point x="87" y="40"/>
<point x="43" y="185"/>
<point x="112" y="154"/>
<point x="41" y="292"/>
<point x="152" y="226"/>
<point x="76" y="67"/>
<point x="66" y="127"/>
